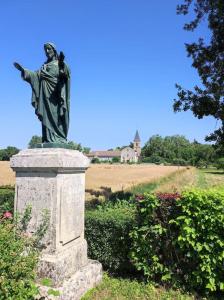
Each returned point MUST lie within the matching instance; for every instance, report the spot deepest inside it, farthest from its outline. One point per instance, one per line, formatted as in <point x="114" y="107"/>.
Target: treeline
<point x="178" y="150"/>
<point x="36" y="139"/>
<point x="8" y="152"/>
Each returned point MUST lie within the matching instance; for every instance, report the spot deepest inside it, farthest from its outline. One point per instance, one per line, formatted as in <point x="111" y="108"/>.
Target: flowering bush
<point x="139" y="197"/>
<point x="7" y="215"/>
<point x="17" y="271"/>
<point x="168" y="196"/>
<point x="19" y="253"/>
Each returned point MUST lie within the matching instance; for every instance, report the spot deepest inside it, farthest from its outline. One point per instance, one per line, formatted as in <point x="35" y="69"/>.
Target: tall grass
<point x="169" y="181"/>
<point x="124" y="289"/>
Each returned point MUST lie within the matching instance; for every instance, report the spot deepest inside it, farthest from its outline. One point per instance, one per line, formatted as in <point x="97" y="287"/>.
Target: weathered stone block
<point x="54" y="179"/>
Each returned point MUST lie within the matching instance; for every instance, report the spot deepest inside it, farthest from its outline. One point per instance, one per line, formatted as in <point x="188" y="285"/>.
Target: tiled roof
<point x="104" y="154"/>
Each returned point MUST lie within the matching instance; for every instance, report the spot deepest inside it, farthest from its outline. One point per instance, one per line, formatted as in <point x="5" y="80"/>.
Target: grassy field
<point x="183" y="179"/>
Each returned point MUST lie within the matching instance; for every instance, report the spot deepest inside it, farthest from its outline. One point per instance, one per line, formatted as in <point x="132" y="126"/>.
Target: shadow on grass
<point x="214" y="172"/>
<point x="106" y="194"/>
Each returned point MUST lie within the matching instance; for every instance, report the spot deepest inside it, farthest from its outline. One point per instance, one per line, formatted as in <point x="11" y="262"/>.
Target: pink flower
<point x="139" y="197"/>
<point x="168" y="196"/>
<point x="7" y="215"/>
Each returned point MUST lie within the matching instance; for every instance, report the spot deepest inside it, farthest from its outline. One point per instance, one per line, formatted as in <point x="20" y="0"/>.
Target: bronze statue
<point x="50" y="94"/>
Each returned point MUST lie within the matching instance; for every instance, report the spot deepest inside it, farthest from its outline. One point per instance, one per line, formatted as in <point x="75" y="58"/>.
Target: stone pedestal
<point x="54" y="179"/>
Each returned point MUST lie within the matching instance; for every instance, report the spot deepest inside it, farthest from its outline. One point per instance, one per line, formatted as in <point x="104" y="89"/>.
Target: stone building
<point x="104" y="155"/>
<point x="127" y="154"/>
<point x="132" y="155"/>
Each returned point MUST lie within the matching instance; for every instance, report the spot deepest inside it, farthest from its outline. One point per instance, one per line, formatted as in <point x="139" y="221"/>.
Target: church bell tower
<point x="136" y="144"/>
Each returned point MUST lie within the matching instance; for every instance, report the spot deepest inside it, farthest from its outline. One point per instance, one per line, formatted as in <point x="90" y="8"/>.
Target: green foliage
<point x="75" y="146"/>
<point x="177" y="150"/>
<point x="46" y="282"/>
<point x="36" y="139"/>
<point x="207" y="57"/>
<point x="53" y="292"/>
<point x="150" y="251"/>
<point x="6" y="199"/>
<point x="86" y="150"/>
<point x="180" y="162"/>
<point x="41" y="229"/>
<point x="18" y="261"/>
<point x="6" y="154"/>
<point x="220" y="163"/>
<point x="49" y="283"/>
<point x="79" y="147"/>
<point x="180" y="240"/>
<point x="200" y="238"/>
<point x="125" y="289"/>
<point x="19" y="255"/>
<point x="95" y="160"/>
<point x="107" y="234"/>
<point x="116" y="159"/>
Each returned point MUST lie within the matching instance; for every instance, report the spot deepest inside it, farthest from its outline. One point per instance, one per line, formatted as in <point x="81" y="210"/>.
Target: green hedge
<point x="180" y="239"/>
<point x="107" y="234"/>
<point x="6" y="199"/>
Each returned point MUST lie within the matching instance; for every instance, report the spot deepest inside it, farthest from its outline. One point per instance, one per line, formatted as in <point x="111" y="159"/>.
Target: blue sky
<point x="125" y="57"/>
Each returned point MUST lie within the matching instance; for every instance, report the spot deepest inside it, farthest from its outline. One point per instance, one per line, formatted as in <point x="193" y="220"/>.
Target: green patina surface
<point x="50" y="95"/>
<point x="51" y="145"/>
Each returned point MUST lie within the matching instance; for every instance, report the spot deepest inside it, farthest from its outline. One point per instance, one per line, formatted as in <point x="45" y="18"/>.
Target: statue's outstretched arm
<point x="19" y="67"/>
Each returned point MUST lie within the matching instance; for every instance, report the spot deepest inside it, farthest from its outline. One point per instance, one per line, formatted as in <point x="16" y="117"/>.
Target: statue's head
<point x="50" y="50"/>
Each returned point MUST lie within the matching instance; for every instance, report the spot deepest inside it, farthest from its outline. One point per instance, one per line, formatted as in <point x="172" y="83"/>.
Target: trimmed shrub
<point x="179" y="239"/>
<point x="107" y="234"/>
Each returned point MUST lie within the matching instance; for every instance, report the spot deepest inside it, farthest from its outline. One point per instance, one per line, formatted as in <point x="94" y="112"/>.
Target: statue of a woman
<point x="50" y="95"/>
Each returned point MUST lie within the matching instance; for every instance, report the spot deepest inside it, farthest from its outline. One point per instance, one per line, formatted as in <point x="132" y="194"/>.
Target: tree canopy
<point x="208" y="60"/>
<point x="177" y="150"/>
<point x="8" y="152"/>
<point x="36" y="139"/>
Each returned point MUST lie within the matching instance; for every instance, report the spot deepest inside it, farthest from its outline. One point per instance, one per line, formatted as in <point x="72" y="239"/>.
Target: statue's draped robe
<point x="50" y="98"/>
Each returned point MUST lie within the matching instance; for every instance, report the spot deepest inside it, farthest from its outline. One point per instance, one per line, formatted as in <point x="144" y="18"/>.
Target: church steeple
<point x="137" y="138"/>
<point x="136" y="144"/>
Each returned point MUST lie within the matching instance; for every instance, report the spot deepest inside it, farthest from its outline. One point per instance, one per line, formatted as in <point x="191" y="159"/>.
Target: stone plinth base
<point x="77" y="285"/>
<point x="64" y="264"/>
<point x="52" y="180"/>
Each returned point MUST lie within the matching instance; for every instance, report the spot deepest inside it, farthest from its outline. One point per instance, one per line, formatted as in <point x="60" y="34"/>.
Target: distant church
<point x="129" y="154"/>
<point x="126" y="155"/>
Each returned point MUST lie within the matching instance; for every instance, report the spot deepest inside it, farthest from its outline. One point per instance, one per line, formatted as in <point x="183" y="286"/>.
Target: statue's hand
<point x="18" y="66"/>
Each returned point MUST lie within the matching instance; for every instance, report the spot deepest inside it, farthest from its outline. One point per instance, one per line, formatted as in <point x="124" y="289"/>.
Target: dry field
<point x="117" y="177"/>
<point x="7" y="176"/>
<point x="120" y="177"/>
